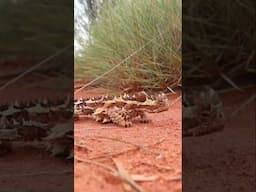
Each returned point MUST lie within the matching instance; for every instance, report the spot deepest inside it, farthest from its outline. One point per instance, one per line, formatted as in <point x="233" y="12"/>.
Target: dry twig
<point x="125" y="176"/>
<point x="126" y="142"/>
<point x="125" y="151"/>
<point x="244" y="104"/>
<point x="120" y="172"/>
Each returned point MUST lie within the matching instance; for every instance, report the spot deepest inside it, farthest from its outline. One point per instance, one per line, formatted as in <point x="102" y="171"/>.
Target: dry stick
<point x="195" y="68"/>
<point x="97" y="164"/>
<point x="119" y="173"/>
<point x="175" y="101"/>
<point x="122" y="141"/>
<point x="227" y="79"/>
<point x="170" y="89"/>
<point x="232" y="70"/>
<point x="159" y="167"/>
<point x="247" y="102"/>
<point x="129" y="150"/>
<point x="249" y="61"/>
<point x="112" y="171"/>
<point x="128" y="142"/>
<point x="126" y="176"/>
<point x="34" y="67"/>
<point x="113" y="154"/>
<point x="222" y="91"/>
<point x="84" y="145"/>
<point x="177" y="83"/>
<point x="125" y="151"/>
<point x="88" y="129"/>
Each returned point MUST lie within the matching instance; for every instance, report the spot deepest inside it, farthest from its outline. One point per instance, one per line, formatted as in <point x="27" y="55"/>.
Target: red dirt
<point x="162" y="135"/>
<point x="32" y="169"/>
<point x="224" y="161"/>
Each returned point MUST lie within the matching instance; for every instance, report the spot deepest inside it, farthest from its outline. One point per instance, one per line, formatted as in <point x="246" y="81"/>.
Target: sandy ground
<point x="151" y="150"/>
<point x="31" y="168"/>
<point x="224" y="161"/>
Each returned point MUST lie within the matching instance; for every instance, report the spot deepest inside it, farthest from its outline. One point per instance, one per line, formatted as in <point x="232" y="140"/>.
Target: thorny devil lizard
<point x="202" y="108"/>
<point x="202" y="111"/>
<point x="46" y="120"/>
<point x="52" y="120"/>
<point x="123" y="109"/>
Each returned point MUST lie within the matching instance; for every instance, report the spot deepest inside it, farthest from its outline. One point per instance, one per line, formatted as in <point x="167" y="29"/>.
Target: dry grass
<point x="218" y="40"/>
<point x="121" y="30"/>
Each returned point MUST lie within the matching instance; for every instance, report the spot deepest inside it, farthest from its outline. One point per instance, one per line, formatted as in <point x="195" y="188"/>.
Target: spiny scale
<point x="120" y="109"/>
<point x="36" y="113"/>
<point x="35" y="120"/>
<point x="203" y="111"/>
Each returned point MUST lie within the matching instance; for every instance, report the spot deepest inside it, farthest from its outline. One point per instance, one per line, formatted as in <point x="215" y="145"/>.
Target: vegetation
<point x="31" y="28"/>
<point x="151" y="28"/>
<point x="218" y="40"/>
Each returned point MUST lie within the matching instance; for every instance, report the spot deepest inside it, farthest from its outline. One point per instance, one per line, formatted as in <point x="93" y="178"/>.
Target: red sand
<point x="165" y="165"/>
<point x="224" y="161"/>
<point x="31" y="169"/>
<point x="166" y="127"/>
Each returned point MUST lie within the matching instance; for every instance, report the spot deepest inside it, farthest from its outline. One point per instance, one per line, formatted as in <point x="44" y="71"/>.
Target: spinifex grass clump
<point x="35" y="29"/>
<point x="124" y="28"/>
<point x="218" y="40"/>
